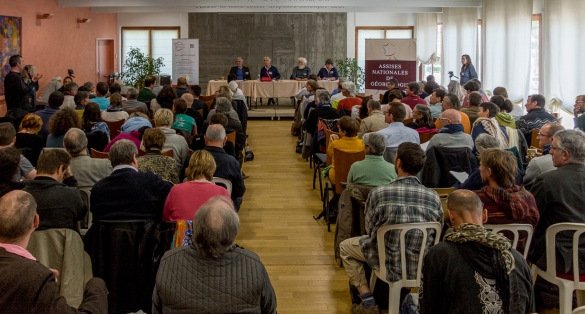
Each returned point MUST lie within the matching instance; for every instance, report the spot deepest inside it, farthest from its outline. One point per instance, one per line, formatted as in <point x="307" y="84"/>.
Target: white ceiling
<point x="269" y="6"/>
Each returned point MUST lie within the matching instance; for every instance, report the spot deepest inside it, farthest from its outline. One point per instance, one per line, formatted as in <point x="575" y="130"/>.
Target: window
<point x="363" y="33"/>
<point x="153" y="41"/>
<point x="535" y="55"/>
<point x="435" y="69"/>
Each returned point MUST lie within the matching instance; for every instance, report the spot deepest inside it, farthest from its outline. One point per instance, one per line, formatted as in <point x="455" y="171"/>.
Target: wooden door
<point x="105" y="56"/>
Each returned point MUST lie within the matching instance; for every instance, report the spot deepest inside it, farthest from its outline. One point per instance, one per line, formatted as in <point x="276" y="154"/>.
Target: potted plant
<point x="137" y="66"/>
<point x="349" y="69"/>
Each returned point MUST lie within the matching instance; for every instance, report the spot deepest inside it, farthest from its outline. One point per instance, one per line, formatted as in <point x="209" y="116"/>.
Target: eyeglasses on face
<point x="541" y="134"/>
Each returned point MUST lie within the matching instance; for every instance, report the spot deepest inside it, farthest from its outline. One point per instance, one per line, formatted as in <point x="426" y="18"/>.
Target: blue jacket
<point x="272" y="71"/>
<point x="134" y="123"/>
<point x="324" y="73"/>
<point x="467" y="74"/>
<point x="46" y="115"/>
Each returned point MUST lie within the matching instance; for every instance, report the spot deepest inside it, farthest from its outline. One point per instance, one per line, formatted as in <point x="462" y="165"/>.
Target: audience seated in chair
<point x="182" y="120"/>
<point x="135" y="121"/>
<point x="451" y="101"/>
<point x="323" y="110"/>
<point x="85" y="169"/>
<point x="133" y="136"/>
<point x="27" y="137"/>
<point x="474" y="180"/>
<point x="494" y="276"/>
<point x="475" y="99"/>
<point x="535" y="118"/>
<point x="227" y="166"/>
<point x="423" y="121"/>
<point x="132" y="102"/>
<point x="55" y="190"/>
<point x="487" y="123"/>
<point x="375" y="120"/>
<point x="348" y="142"/>
<point x="560" y="195"/>
<point x="544" y="163"/>
<point x="412" y="98"/>
<point x="404" y="200"/>
<point x="115" y="111"/>
<point x="505" y="201"/>
<point x="128" y="194"/>
<point x="60" y="123"/>
<point x="506" y="106"/>
<point x="192" y="112"/>
<point x="153" y="161"/>
<point x="197" y="103"/>
<point x="206" y="277"/>
<point x="55" y="101"/>
<point x="92" y="119"/>
<point x="451" y="134"/>
<point x="9" y="162"/>
<point x="163" y="119"/>
<point x="396" y="133"/>
<point x="373" y="170"/>
<point x="7" y="140"/>
<point x="146" y="94"/>
<point x="27" y="286"/>
<point x="186" y="198"/>
<point x="101" y="90"/>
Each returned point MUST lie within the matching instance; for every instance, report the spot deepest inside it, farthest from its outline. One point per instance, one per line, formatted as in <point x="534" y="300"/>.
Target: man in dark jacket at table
<point x="240" y="71"/>
<point x="27" y="286"/>
<point x="213" y="275"/>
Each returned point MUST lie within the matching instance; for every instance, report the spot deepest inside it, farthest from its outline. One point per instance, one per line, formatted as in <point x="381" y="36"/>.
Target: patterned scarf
<point x="474" y="233"/>
<point x="502" y="257"/>
<point x="492" y="127"/>
<point x="517" y="196"/>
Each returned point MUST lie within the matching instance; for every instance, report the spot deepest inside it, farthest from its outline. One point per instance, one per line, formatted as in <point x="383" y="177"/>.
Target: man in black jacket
<point x="227" y="166"/>
<point x="240" y="71"/>
<point x="128" y="194"/>
<point x="27" y="286"/>
<point x="15" y="89"/>
<point x="474" y="264"/>
<point x="55" y="190"/>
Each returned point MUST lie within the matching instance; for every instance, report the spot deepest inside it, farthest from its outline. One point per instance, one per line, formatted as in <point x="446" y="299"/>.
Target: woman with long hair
<point x="28" y="137"/>
<point x="467" y="70"/>
<point x="27" y="73"/>
<point x="422" y="120"/>
<point x="92" y="119"/>
<point x="166" y="97"/>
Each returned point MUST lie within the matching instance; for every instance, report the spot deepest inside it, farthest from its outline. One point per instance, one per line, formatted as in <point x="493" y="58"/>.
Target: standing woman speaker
<point x="467" y="70"/>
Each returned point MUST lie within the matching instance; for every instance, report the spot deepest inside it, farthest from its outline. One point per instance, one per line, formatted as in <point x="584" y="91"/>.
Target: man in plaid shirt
<point x="404" y="200"/>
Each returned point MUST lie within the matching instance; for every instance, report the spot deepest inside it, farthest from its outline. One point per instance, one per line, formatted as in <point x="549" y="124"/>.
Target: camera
<point x="70" y="73"/>
<point x="451" y="74"/>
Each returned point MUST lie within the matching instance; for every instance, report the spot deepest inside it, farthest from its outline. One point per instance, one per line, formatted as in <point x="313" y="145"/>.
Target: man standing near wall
<point x="14" y="87"/>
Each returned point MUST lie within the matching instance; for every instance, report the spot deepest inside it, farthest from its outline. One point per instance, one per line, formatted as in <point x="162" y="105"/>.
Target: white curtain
<point x="426" y="38"/>
<point x="459" y="38"/>
<point x="563" y="49"/>
<point x="507" y="26"/>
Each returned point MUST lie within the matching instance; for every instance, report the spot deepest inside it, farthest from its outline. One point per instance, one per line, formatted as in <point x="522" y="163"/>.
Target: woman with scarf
<point x="474" y="270"/>
<point x="115" y="111"/>
<point x="487" y="123"/>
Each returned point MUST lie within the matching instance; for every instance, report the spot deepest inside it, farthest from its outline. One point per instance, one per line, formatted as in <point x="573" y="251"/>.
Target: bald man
<point x="477" y="266"/>
<point x="27" y="286"/>
<point x="451" y="134"/>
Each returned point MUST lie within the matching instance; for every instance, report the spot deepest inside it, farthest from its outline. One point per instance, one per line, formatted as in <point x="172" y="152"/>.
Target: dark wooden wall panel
<point x="283" y="37"/>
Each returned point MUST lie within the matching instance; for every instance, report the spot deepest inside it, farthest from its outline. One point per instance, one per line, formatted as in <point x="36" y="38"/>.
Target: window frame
<point x="538" y="18"/>
<point x="384" y="28"/>
<point x="144" y="28"/>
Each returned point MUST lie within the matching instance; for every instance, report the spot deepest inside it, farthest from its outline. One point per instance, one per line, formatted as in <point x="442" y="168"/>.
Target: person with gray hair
<point x="128" y="194"/>
<point x="337" y="94"/>
<point x="227" y="166"/>
<point x="269" y="73"/>
<point x="348" y="90"/>
<point x="53" y="86"/>
<point x="301" y="72"/>
<point x="132" y="102"/>
<point x="86" y="170"/>
<point x="209" y="269"/>
<point x="27" y="285"/>
<point x="90" y="88"/>
<point x="560" y="195"/>
<point x="541" y="164"/>
<point x="323" y="110"/>
<point x="223" y="105"/>
<point x="375" y="120"/>
<point x="373" y="170"/>
<point x="240" y="71"/>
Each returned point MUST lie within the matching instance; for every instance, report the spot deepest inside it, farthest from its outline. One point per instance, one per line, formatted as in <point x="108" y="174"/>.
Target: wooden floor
<point x="277" y="224"/>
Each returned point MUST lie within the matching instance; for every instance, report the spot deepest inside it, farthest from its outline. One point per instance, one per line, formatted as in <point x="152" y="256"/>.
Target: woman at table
<point x="302" y="71"/>
<point x="328" y="72"/>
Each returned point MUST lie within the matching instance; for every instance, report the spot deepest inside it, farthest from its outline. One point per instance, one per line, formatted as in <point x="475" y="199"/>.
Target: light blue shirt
<point x="436" y="110"/>
<point x="396" y="133"/>
<point x="103" y="102"/>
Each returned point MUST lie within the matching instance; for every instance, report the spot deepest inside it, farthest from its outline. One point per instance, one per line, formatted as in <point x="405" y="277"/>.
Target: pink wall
<point x="59" y="43"/>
